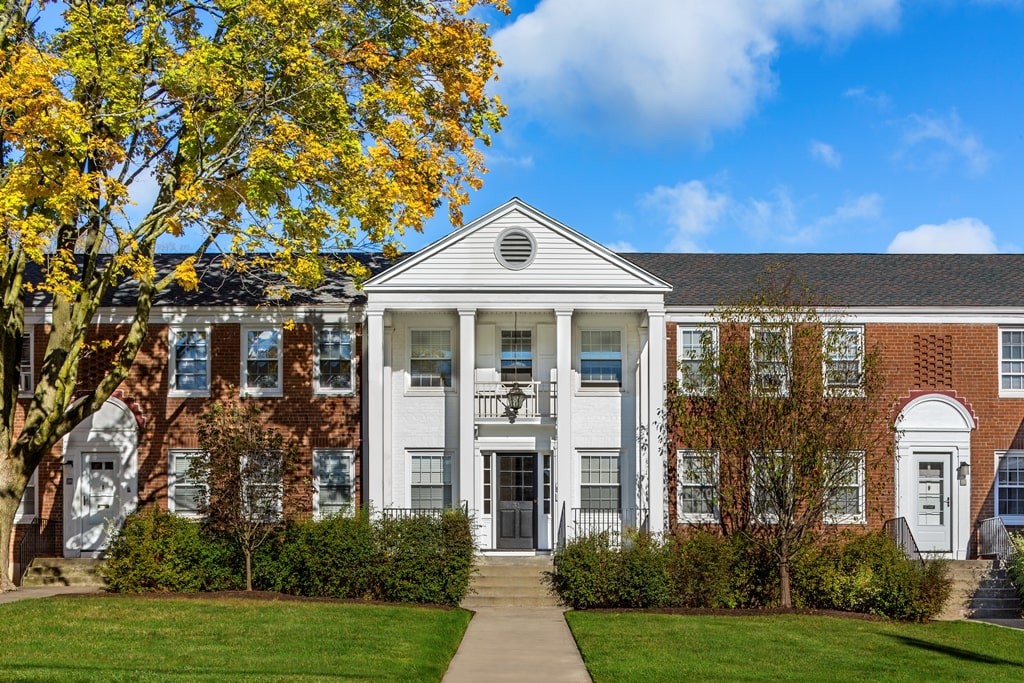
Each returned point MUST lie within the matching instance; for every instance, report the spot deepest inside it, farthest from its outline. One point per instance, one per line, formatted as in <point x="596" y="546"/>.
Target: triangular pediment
<point x="515" y="248"/>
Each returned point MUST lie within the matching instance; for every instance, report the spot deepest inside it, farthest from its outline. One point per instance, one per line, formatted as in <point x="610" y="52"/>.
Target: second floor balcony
<point x="491" y="401"/>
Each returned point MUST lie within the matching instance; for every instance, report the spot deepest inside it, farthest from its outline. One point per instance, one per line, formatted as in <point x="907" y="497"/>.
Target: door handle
<point x="949" y="502"/>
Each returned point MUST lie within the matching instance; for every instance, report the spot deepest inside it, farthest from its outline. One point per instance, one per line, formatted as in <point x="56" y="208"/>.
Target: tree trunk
<point x="11" y="490"/>
<point x="248" y="570"/>
<point x="785" y="590"/>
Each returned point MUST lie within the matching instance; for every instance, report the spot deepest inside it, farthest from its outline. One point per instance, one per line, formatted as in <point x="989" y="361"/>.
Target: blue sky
<point x="749" y="126"/>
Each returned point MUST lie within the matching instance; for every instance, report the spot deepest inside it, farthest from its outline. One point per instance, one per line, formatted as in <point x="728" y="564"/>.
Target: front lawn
<point x="635" y="646"/>
<point x="99" y="638"/>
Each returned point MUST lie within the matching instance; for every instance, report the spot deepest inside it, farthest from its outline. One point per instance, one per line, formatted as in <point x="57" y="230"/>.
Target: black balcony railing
<point x="609" y="522"/>
<point x="402" y="513"/>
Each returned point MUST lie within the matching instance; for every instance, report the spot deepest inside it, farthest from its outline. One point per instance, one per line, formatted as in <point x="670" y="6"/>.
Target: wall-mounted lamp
<point x="962" y="471"/>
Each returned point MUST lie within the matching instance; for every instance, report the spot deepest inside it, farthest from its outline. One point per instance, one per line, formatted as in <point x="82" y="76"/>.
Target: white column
<point x="373" y="464"/>
<point x="563" y="483"/>
<point x="465" y="489"/>
<point x="655" y="400"/>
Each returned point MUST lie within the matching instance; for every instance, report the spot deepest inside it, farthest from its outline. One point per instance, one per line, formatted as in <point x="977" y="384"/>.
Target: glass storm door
<point x="932" y="510"/>
<point x="517" y="500"/>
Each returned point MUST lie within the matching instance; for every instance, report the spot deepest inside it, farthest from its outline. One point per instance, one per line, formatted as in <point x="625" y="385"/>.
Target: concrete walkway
<point x="45" y="592"/>
<point x="515" y="644"/>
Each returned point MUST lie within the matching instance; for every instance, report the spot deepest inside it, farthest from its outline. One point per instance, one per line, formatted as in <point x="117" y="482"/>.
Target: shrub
<point x="1016" y="566"/>
<point x="423" y="559"/>
<point x="869" y="573"/>
<point x="158" y="551"/>
<point x="710" y="570"/>
<point x="590" y="574"/>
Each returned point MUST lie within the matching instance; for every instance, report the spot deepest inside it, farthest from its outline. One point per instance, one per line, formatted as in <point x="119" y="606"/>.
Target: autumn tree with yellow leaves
<point x="292" y="128"/>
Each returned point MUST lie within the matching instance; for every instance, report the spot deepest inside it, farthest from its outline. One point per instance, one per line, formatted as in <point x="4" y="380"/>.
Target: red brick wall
<point x="958" y="358"/>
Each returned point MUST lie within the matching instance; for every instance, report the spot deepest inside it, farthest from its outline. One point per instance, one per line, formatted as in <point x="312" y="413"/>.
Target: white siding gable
<point x="564" y="260"/>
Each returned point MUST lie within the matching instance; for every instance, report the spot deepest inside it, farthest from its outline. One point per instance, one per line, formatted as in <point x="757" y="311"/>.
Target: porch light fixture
<point x="516" y="397"/>
<point x="962" y="471"/>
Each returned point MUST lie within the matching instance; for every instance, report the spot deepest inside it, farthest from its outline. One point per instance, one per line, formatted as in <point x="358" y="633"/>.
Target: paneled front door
<point x="517" y="500"/>
<point x="93" y="507"/>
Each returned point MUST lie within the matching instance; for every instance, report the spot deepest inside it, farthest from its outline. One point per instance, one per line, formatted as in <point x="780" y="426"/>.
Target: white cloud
<point x="621" y="247"/>
<point x="867" y="207"/>
<point x="499" y="159"/>
<point x="826" y="154"/>
<point x="879" y="99"/>
<point x="689" y="208"/>
<point x="665" y="68"/>
<point x="934" y="139"/>
<point x="956" y="236"/>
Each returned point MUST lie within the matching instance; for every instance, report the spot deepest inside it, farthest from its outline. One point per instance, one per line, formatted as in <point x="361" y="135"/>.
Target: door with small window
<point x="94" y="504"/>
<point x="930" y="519"/>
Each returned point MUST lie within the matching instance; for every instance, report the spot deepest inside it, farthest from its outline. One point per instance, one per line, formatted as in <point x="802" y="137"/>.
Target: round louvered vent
<point x="515" y="249"/>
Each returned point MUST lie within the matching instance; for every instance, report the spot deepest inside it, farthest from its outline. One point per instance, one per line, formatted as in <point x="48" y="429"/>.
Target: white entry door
<point x="931" y="518"/>
<point x="92" y="503"/>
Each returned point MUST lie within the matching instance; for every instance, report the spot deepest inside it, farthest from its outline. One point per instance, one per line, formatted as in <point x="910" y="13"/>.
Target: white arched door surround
<point x="933" y="488"/>
<point x="100" y="478"/>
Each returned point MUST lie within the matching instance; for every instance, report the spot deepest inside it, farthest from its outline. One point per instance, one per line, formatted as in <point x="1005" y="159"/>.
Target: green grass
<point x="636" y="646"/>
<point x="223" y="639"/>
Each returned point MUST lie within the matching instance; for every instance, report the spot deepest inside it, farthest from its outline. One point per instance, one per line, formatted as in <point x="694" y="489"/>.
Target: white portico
<point x="517" y="308"/>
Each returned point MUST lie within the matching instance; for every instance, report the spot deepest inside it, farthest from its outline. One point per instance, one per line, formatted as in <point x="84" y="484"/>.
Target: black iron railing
<point x="994" y="540"/>
<point x="899" y="531"/>
<point x="401" y="513"/>
<point x="610" y="522"/>
<point x="39" y="539"/>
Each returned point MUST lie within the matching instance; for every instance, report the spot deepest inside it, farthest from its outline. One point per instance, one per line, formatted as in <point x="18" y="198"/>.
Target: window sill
<point x="429" y="391"/>
<point x="326" y="393"/>
<point x="600" y="390"/>
<point x="1012" y="520"/>
<point x="845" y="521"/>
<point x="176" y="393"/>
<point x="1011" y="393"/>
<point x="262" y="393"/>
<point x="25" y="519"/>
<point x="844" y="392"/>
<point x="698" y="519"/>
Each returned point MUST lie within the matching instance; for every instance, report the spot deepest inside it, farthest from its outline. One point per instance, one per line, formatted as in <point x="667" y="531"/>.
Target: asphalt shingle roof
<point x="847" y="280"/>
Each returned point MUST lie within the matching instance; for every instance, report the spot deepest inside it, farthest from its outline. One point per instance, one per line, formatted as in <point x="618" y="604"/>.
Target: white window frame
<point x="684" y="480"/>
<point x="783" y="389"/>
<point x="247" y="390"/>
<point x="21" y="515"/>
<point x="444" y="386"/>
<point x="598" y="385"/>
<point x="617" y="485"/>
<point x="318" y="456"/>
<point x="767" y="517"/>
<point x="827" y="361"/>
<point x="691" y="354"/>
<point x="516" y="352"/>
<point x="172" y="355"/>
<point x="1009" y="392"/>
<point x="26" y="376"/>
<point x="447" y="488"/>
<point x="334" y="391"/>
<point x="1014" y="520"/>
<point x="859" y="475"/>
<point x="278" y="486"/>
<point x="173" y="455"/>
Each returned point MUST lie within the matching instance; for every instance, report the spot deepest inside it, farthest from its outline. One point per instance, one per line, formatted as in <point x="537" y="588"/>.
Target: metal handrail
<point x="899" y="531"/>
<point x="994" y="540"/>
<point x="38" y="540"/>
<point x="609" y="521"/>
<point x="402" y="513"/>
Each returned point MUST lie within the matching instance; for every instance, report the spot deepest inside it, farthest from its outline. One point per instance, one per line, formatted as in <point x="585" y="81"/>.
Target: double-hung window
<point x="332" y="367"/>
<point x="601" y="358"/>
<point x="1011" y="361"/>
<point x="599" y="481"/>
<point x="843" y="355"/>
<point x="332" y="470"/>
<point x="1010" y="486"/>
<point x="431" y="480"/>
<point x="844" y="483"/>
<point x="697" y="474"/>
<point x="183" y="491"/>
<point x="189" y="362"/>
<point x="29" y="505"/>
<point x="769" y="360"/>
<point x="262" y="367"/>
<point x="26" y="378"/>
<point x="771" y="485"/>
<point x="430" y="358"/>
<point x="693" y="344"/>
<point x="516" y="356"/>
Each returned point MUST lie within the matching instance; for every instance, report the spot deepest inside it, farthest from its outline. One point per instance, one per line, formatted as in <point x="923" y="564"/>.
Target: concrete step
<point x="509" y="581"/>
<point x="980" y="590"/>
<point x="995" y="614"/>
<point x="472" y="601"/>
<point x="57" y="571"/>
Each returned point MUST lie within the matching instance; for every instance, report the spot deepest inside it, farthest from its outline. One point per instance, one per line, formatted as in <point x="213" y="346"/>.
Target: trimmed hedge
<point x="423" y="559"/>
<point x="158" y="551"/>
<point x="701" y="569"/>
<point x="1016" y="567"/>
<point x="869" y="573"/>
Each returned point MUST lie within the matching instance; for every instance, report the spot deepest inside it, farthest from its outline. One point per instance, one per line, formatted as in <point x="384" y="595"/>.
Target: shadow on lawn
<point x="954" y="651"/>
